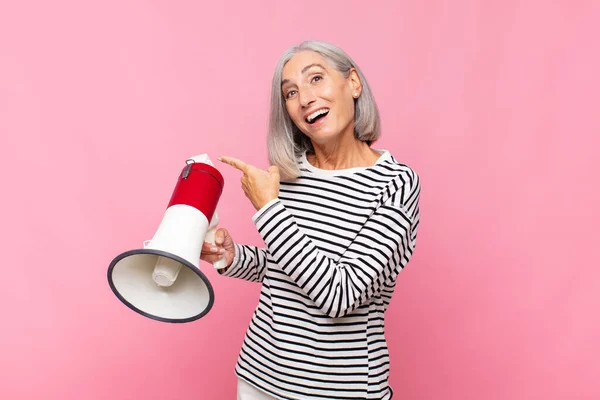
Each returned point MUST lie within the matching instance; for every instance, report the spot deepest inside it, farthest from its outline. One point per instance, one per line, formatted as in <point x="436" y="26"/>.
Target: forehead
<point x="293" y="68"/>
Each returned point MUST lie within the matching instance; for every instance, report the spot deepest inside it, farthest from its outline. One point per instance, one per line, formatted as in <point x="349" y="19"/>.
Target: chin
<point x="323" y="138"/>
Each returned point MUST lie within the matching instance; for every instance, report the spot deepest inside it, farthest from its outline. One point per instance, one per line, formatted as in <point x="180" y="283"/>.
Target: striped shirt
<point x="336" y="241"/>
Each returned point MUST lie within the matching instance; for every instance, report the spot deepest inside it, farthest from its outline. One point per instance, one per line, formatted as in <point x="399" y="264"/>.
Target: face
<point x="318" y="98"/>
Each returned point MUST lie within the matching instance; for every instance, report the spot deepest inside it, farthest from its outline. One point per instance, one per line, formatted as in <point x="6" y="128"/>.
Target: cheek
<point x="344" y="101"/>
<point x="292" y="111"/>
<point x="348" y="108"/>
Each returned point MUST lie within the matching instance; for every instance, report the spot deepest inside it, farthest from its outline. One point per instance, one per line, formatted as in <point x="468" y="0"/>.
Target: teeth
<point x="314" y="115"/>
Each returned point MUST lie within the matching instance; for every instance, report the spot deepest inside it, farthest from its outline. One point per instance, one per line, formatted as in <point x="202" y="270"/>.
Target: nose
<point x="306" y="97"/>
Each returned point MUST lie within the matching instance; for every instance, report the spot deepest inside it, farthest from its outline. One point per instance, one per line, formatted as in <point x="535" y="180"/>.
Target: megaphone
<point x="162" y="280"/>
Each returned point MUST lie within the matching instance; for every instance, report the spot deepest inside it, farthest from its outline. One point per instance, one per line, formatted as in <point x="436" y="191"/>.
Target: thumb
<point x="227" y="241"/>
<point x="220" y="236"/>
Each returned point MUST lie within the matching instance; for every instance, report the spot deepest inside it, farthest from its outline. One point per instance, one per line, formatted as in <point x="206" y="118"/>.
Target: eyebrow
<point x="283" y="82"/>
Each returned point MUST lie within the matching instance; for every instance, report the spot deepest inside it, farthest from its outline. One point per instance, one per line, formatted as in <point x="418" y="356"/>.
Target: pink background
<point x="495" y="104"/>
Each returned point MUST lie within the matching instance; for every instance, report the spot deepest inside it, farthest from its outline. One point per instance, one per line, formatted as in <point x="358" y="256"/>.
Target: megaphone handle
<point x="210" y="238"/>
<point x="220" y="263"/>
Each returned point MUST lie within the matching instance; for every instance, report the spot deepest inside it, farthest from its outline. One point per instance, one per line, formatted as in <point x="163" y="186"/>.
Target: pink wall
<point x="495" y="104"/>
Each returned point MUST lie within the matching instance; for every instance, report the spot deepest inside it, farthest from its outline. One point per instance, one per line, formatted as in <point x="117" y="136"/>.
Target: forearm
<point x="337" y="287"/>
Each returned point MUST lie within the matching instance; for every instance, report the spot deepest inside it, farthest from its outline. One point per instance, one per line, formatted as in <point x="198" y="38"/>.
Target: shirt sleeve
<point x="373" y="260"/>
<point x="249" y="263"/>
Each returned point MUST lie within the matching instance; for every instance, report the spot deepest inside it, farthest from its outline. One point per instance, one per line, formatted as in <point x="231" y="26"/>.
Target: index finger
<point x="234" y="162"/>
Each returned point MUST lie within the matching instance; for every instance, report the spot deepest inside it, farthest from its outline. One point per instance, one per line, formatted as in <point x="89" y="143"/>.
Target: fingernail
<point x="213" y="249"/>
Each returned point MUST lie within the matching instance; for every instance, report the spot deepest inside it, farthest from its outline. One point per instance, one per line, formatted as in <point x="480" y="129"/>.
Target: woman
<point x="339" y="221"/>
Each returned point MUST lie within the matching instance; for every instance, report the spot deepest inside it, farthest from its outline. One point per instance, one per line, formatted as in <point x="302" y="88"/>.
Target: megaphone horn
<point x="162" y="280"/>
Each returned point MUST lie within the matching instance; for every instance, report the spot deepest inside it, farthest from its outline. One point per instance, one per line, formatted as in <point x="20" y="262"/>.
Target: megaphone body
<point x="163" y="280"/>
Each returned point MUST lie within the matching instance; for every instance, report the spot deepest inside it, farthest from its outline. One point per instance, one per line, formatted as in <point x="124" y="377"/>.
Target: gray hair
<point x="285" y="141"/>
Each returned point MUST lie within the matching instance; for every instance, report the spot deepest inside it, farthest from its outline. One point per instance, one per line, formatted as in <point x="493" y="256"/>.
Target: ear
<point x="354" y="83"/>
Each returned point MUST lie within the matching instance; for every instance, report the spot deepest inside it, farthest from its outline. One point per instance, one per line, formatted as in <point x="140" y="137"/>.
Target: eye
<point x="316" y="78"/>
<point x="290" y="94"/>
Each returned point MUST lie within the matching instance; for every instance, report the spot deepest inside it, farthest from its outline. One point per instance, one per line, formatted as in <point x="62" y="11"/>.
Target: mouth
<point x="317" y="115"/>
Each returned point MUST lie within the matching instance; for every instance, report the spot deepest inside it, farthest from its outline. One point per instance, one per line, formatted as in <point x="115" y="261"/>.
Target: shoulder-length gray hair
<point x="285" y="141"/>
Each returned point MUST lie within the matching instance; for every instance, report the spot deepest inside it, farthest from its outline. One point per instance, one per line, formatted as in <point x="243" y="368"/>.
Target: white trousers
<point x="245" y="391"/>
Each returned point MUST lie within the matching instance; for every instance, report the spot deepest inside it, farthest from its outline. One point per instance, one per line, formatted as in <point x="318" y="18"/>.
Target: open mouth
<point x="317" y="115"/>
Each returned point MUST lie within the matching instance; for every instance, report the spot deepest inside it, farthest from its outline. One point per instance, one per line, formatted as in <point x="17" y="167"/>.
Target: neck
<point x="343" y="154"/>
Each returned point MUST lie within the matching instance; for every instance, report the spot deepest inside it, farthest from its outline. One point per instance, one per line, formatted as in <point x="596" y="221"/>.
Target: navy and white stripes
<point x="335" y="244"/>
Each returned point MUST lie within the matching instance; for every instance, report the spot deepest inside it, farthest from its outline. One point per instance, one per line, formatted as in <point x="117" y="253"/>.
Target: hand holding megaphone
<point x="210" y="239"/>
<point x="219" y="249"/>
